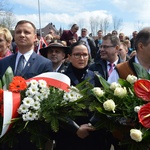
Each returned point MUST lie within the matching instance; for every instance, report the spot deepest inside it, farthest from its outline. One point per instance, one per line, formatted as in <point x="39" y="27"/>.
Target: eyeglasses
<point x="106" y="46"/>
<point x="78" y="55"/>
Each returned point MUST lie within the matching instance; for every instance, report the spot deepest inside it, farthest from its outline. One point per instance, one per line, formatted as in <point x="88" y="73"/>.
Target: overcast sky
<point x="62" y="13"/>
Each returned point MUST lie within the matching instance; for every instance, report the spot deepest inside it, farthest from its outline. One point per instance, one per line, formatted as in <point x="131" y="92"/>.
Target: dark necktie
<point x="20" y="66"/>
<point x="111" y="68"/>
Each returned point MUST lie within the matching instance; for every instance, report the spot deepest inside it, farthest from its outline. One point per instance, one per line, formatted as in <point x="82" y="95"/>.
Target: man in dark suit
<point x="108" y="55"/>
<point x="67" y="35"/>
<point x="33" y="64"/>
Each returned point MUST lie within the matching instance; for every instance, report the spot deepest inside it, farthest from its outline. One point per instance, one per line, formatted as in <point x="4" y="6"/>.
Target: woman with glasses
<point x="81" y="135"/>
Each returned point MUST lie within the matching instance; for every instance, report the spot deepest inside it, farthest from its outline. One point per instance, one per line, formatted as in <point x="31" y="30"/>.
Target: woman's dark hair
<point x="76" y="44"/>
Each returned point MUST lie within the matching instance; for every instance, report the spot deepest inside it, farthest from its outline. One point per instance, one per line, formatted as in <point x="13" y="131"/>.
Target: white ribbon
<point x="8" y="98"/>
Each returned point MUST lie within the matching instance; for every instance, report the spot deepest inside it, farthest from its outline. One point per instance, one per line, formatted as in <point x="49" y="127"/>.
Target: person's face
<point x="123" y="50"/>
<point x="108" y="52"/>
<point x="75" y="29"/>
<point x="3" y="43"/>
<point x="56" y="55"/>
<point x="79" y="57"/>
<point x="100" y="34"/>
<point x="84" y="33"/>
<point x="134" y="34"/>
<point x="25" y="36"/>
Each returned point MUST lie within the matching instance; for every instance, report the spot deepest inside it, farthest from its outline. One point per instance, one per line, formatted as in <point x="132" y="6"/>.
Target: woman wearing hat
<point x="57" y="53"/>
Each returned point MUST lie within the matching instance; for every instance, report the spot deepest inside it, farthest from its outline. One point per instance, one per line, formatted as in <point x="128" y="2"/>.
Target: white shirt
<point x="114" y="75"/>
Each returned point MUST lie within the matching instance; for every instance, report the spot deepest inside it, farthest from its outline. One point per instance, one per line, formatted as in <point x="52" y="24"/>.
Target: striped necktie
<point x="20" y="65"/>
<point x="111" y="68"/>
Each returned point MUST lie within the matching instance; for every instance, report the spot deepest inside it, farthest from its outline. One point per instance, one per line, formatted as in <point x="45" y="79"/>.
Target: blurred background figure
<point x="90" y="43"/>
<point x="123" y="51"/>
<point x="134" y="34"/>
<point x="48" y="38"/>
<point x="68" y="34"/>
<point x="5" y="42"/>
<point x="114" y="32"/>
<point x="98" y="43"/>
<point x="121" y="37"/>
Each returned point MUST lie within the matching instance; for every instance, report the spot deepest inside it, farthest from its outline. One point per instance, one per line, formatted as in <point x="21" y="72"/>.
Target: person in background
<point x="72" y="40"/>
<point x="132" y="41"/>
<point x="121" y="37"/>
<point x="123" y="51"/>
<point x="5" y="42"/>
<point x="80" y="134"/>
<point x="109" y="56"/>
<point x="33" y="64"/>
<point x="48" y="38"/>
<point x="53" y="33"/>
<point x="56" y="51"/>
<point x="89" y="42"/>
<point x="114" y="32"/>
<point x="142" y="57"/>
<point x="68" y="34"/>
<point x="98" y="43"/>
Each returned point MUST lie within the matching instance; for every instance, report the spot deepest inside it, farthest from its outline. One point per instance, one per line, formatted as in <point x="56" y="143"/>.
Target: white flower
<point x="31" y="91"/>
<point x="136" y="135"/>
<point x="23" y="108"/>
<point x="137" y="108"/>
<point x="131" y="79"/>
<point x="24" y="117"/>
<point x="42" y="83"/>
<point x="71" y="96"/>
<point x="109" y="105"/>
<point x="120" y="92"/>
<point x="98" y="91"/>
<point x="114" y="85"/>
<point x="30" y="116"/>
<point x="33" y="83"/>
<point x="28" y="101"/>
<point x="36" y="105"/>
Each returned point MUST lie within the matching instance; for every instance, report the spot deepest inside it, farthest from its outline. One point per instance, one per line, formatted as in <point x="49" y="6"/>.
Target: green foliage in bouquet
<point x="43" y="109"/>
<point x="120" y="109"/>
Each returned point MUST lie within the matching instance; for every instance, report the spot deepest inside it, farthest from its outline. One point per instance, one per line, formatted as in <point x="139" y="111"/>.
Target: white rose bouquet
<point x="124" y="109"/>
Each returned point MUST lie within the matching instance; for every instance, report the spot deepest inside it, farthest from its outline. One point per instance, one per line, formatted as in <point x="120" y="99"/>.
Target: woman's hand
<point x="84" y="130"/>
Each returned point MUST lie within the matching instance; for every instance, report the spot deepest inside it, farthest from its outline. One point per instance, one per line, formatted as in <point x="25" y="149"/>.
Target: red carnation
<point x="142" y="89"/>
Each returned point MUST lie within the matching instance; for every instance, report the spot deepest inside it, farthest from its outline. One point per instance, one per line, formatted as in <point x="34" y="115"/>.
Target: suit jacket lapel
<point x="13" y="62"/>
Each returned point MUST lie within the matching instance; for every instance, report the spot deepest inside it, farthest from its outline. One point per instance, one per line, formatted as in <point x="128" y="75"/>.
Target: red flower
<point x="1" y="95"/>
<point x="1" y="102"/>
<point x="144" y="115"/>
<point x="17" y="84"/>
<point x="142" y="89"/>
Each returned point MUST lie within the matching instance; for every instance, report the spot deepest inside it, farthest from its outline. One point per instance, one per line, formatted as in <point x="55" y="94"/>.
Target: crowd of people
<point x="78" y="57"/>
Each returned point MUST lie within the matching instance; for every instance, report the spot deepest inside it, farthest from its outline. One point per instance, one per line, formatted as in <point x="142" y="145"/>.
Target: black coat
<point x="100" y="67"/>
<point x="66" y="138"/>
